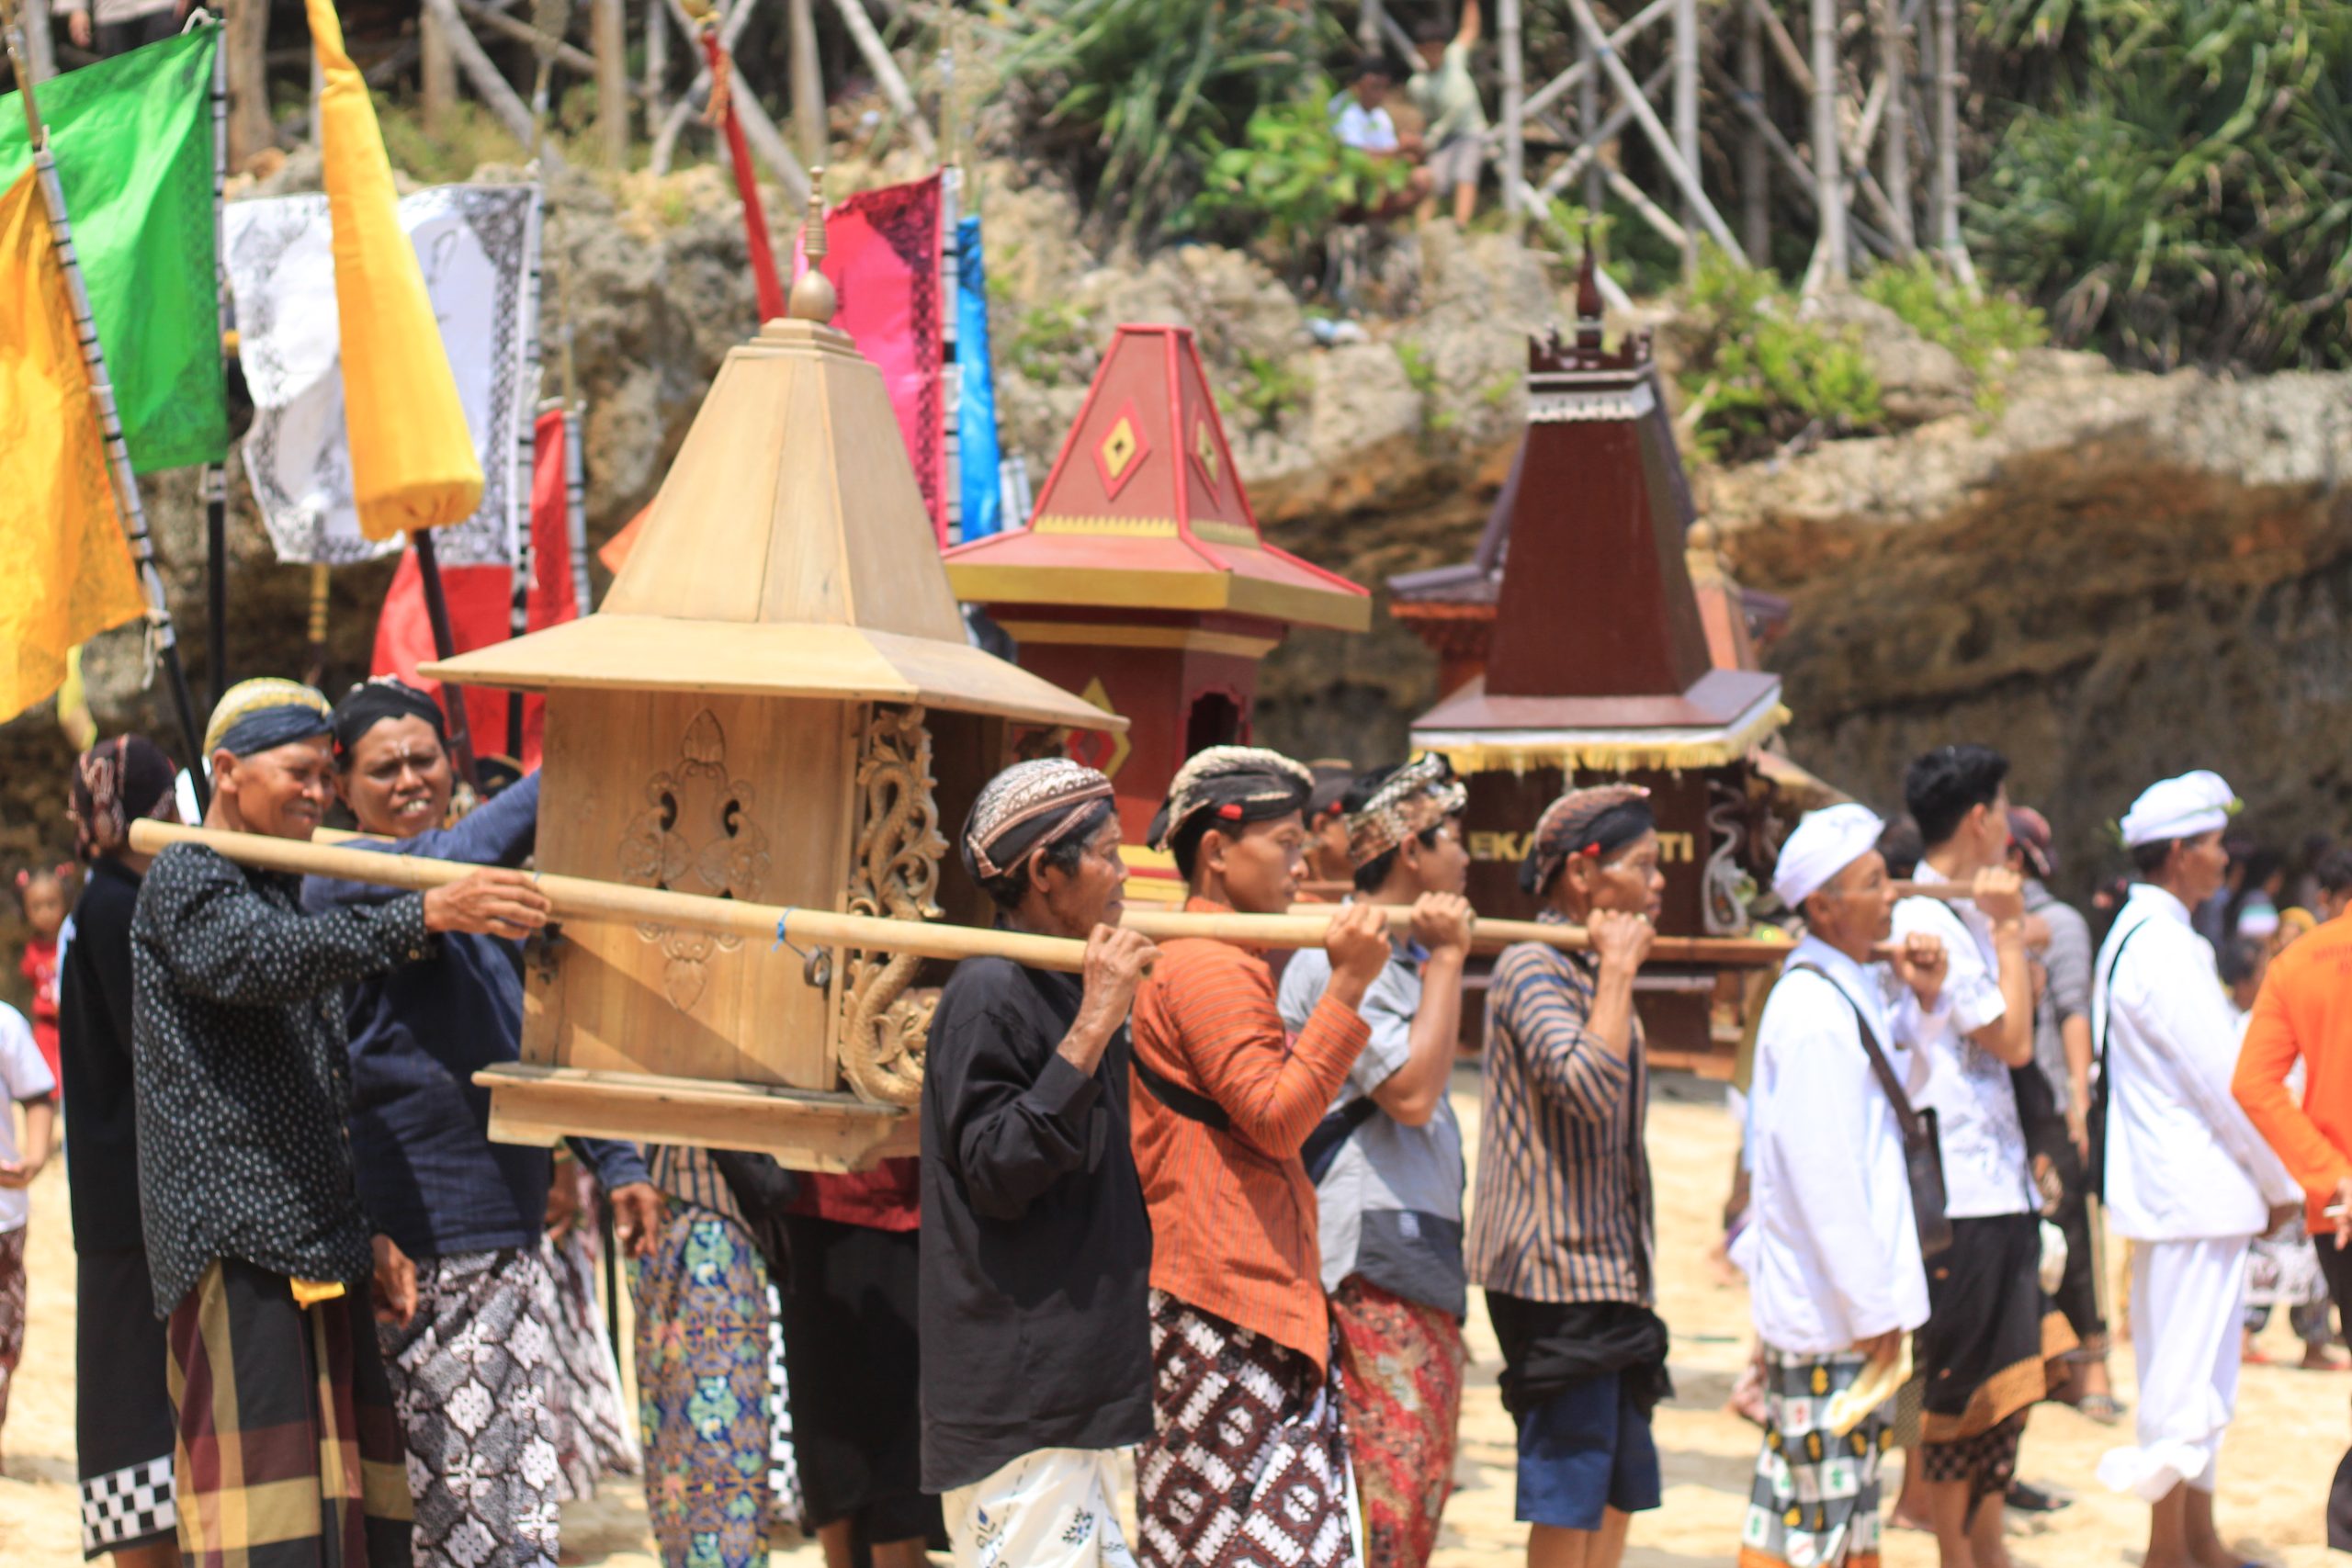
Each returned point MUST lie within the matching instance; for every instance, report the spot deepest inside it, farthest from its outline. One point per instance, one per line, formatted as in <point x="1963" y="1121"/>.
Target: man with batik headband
<point x="122" y="1412"/>
<point x="1036" y="1251"/>
<point x="1832" y="1247"/>
<point x="2188" y="1178"/>
<point x="472" y="1371"/>
<point x="1248" y="1459"/>
<point x="260" y="1251"/>
<point x="1563" y="1237"/>
<point x="1387" y="1160"/>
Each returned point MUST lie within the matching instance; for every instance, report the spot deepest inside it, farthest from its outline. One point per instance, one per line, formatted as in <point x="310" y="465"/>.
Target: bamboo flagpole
<point x="162" y="639"/>
<point x="216" y="475"/>
<point x="722" y="113"/>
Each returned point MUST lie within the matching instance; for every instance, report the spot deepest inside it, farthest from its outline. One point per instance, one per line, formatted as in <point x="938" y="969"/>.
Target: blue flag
<point x="983" y="496"/>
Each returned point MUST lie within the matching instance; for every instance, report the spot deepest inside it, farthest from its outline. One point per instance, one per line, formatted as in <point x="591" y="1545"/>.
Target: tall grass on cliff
<point x="2174" y="185"/>
<point x="1757" y="374"/>
<point x="1140" y="96"/>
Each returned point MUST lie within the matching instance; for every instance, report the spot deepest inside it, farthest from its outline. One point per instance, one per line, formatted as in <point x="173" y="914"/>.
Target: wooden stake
<point x="657" y="68"/>
<point x="1829" y="265"/>
<point x="245" y="41"/>
<point x="436" y="69"/>
<point x="1514" y="108"/>
<point x="808" y="77"/>
<point x="1755" y="171"/>
<point x="608" y="43"/>
<point x="1895" y="157"/>
<point x="1686" y="114"/>
<point x="586" y="901"/>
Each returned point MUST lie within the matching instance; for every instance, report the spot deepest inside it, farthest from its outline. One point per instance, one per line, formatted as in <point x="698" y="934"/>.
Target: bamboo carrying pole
<point x="163" y="641"/>
<point x="583" y="900"/>
<point x="586" y="899"/>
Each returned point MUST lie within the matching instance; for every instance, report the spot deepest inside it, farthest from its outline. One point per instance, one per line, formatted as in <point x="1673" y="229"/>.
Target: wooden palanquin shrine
<point x="1144" y="582"/>
<point x="1576" y="647"/>
<point x="777" y="703"/>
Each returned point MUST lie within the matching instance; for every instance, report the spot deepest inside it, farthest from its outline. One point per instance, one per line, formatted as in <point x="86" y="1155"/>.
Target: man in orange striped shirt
<point x="1248" y="1459"/>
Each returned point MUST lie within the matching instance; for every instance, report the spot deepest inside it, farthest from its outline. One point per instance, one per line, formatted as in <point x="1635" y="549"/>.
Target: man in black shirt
<point x="1036" y="1249"/>
<point x="122" y="1410"/>
<point x="255" y="1238"/>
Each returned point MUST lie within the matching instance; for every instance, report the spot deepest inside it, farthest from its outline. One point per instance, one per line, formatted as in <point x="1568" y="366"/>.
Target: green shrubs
<point x="1761" y="377"/>
<point x="1979" y="330"/>
<point x="1288" y="180"/>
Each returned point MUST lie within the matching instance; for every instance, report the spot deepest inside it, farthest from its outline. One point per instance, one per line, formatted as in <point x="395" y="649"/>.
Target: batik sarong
<point x="1248" y="1459"/>
<point x="12" y="1309"/>
<point x="473" y="1378"/>
<point x="1401" y="1368"/>
<point x="595" y="1434"/>
<point x="1049" y="1509"/>
<point x="1814" y="1502"/>
<point x="288" y="1451"/>
<point x="703" y="1327"/>
<point x="1985" y="1349"/>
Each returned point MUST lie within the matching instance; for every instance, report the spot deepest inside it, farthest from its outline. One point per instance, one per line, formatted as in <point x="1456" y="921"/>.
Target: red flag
<point x="882" y="251"/>
<point x="482" y="606"/>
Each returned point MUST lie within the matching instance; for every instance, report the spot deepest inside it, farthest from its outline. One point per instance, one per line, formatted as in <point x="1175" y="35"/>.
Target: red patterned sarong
<point x="1402" y="1373"/>
<point x="1248" y="1463"/>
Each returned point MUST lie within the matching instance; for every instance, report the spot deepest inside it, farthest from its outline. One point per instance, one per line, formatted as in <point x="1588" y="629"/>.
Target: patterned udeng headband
<point x="1025" y="808"/>
<point x="1238" y="784"/>
<point x="1415" y="798"/>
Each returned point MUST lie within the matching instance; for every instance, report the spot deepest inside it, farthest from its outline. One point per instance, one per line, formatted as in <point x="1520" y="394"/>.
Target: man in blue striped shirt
<point x="1562" y="1235"/>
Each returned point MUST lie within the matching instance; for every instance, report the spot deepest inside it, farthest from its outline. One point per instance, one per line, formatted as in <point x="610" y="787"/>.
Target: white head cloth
<point x="1824" y="844"/>
<point x="2179" y="808"/>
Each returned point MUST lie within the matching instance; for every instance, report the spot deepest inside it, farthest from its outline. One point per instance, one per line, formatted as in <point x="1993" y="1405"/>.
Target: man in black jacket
<point x="1036" y="1249"/>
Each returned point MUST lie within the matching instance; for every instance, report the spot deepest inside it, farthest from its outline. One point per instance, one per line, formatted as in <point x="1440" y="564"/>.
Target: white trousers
<point x="2187" y="1306"/>
<point x="1049" y="1509"/>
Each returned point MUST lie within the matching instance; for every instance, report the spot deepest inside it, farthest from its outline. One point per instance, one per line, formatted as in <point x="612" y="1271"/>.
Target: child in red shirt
<point x="45" y="900"/>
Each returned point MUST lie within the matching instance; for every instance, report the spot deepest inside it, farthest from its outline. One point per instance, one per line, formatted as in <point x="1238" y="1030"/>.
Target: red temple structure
<point x="1575" y="646"/>
<point x="1143" y="582"/>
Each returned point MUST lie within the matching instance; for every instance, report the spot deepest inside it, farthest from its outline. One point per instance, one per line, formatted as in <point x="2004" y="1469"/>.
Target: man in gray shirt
<point x="1387" y="1160"/>
<point x="2054" y="1099"/>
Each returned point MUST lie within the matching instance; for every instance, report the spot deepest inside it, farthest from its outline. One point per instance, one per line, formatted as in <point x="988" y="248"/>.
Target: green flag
<point x="134" y="141"/>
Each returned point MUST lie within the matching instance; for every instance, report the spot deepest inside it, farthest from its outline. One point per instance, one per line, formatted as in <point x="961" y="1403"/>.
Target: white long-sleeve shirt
<point x="1831" y="1248"/>
<point x="1985" y="1169"/>
<point x="2183" y="1163"/>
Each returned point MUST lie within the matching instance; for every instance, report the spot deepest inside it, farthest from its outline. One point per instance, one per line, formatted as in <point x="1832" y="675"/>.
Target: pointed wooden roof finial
<point x="1587" y="298"/>
<point x="812" y="297"/>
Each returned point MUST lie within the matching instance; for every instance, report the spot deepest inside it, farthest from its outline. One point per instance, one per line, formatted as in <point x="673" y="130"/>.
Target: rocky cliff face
<point x="2120" y="575"/>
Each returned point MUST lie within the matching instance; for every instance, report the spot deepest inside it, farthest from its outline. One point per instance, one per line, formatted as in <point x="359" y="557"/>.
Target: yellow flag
<point x="66" y="572"/>
<point x="413" y="463"/>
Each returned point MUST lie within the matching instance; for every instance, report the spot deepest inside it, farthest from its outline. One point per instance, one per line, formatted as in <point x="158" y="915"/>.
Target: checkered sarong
<point x="288" y="1451"/>
<point x="1248" y="1462"/>
<point x="1814" y="1504"/>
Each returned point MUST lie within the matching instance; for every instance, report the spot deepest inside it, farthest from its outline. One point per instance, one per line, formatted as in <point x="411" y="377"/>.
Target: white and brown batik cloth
<point x="597" y="1431"/>
<point x="472" y="1376"/>
<point x="1248" y="1463"/>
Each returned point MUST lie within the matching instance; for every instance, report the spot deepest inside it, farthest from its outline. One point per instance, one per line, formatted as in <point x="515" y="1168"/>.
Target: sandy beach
<point x="2290" y="1429"/>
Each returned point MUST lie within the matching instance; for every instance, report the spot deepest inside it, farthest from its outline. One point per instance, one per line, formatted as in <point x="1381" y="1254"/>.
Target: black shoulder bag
<point x="1322" y="1145"/>
<point x="1923" y="1157"/>
<point x="2095" y="1179"/>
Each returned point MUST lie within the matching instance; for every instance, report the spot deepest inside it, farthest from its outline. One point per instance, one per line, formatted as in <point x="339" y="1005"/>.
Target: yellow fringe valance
<point x="1601" y="750"/>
